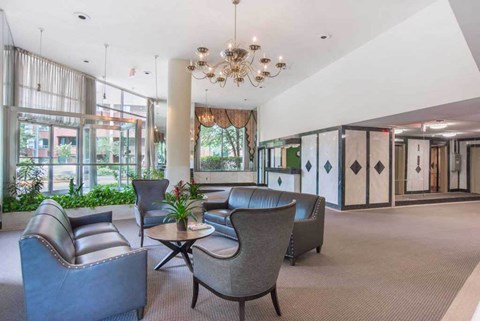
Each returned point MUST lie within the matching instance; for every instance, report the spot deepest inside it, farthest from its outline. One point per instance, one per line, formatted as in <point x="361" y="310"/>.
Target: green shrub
<point x="218" y="163"/>
<point x="99" y="196"/>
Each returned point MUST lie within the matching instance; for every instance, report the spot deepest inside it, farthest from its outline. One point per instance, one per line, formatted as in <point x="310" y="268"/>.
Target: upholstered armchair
<point x="263" y="236"/>
<point x="149" y="210"/>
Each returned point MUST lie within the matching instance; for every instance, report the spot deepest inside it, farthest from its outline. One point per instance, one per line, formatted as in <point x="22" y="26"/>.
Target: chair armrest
<point x="207" y="206"/>
<point x="91" y="219"/>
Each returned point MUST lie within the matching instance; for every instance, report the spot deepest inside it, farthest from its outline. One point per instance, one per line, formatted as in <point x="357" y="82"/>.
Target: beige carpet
<point x="397" y="264"/>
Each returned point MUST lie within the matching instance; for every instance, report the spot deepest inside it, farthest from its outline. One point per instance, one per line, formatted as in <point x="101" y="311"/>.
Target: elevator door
<point x="475" y="170"/>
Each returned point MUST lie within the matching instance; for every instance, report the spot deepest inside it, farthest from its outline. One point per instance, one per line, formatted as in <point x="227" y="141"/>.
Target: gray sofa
<point x="309" y="216"/>
<point x="79" y="269"/>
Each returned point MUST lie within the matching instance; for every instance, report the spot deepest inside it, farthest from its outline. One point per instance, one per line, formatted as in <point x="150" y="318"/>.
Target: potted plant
<point x="179" y="206"/>
<point x="194" y="191"/>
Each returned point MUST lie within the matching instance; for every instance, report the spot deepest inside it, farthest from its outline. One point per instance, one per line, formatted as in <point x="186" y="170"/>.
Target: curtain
<point x="225" y="118"/>
<point x="149" y="139"/>
<point x="43" y="84"/>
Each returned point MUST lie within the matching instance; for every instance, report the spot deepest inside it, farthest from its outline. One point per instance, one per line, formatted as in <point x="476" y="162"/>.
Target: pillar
<point x="178" y="121"/>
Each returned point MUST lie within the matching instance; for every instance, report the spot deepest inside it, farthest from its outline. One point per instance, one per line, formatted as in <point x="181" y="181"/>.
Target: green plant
<point x="99" y="196"/>
<point x="194" y="191"/>
<point x="219" y="163"/>
<point x="74" y="191"/>
<point x="64" y="150"/>
<point x="179" y="205"/>
<point x="28" y="183"/>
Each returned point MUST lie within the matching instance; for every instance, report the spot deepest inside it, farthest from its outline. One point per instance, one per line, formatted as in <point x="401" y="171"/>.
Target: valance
<point x="224" y="118"/>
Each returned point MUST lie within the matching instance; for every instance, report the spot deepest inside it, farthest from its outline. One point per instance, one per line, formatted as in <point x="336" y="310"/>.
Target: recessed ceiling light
<point x="146" y="72"/>
<point x="448" y="135"/>
<point x="324" y="37"/>
<point x="439" y="124"/>
<point x="86" y="61"/>
<point x="245" y="99"/>
<point x="81" y="15"/>
<point x="398" y="131"/>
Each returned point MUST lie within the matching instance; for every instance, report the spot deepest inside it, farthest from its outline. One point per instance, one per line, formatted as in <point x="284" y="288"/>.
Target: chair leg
<point x="139" y="231"/>
<point x="141" y="238"/>
<point x="292" y="261"/>
<point x="195" y="293"/>
<point x="318" y="249"/>
<point x="241" y="305"/>
<point x="140" y="312"/>
<point x="275" y="301"/>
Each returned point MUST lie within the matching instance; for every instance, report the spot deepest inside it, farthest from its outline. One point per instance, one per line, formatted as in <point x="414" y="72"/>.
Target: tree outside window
<point x="222" y="149"/>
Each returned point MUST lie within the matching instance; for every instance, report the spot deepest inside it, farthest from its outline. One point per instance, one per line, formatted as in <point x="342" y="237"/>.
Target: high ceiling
<point x="138" y="30"/>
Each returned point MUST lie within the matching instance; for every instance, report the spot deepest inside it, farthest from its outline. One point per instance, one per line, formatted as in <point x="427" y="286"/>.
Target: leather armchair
<point x="79" y="269"/>
<point x="308" y="228"/>
<point x="149" y="210"/>
<point x="263" y="236"/>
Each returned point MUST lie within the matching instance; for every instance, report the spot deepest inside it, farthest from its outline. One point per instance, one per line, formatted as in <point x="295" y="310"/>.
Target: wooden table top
<point x="168" y="232"/>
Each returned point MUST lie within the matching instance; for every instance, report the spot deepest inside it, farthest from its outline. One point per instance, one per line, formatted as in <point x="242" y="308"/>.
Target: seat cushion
<point x="154" y="217"/>
<point x="101" y="254"/>
<point x="99" y="242"/>
<point x="217" y="216"/>
<point x="92" y="229"/>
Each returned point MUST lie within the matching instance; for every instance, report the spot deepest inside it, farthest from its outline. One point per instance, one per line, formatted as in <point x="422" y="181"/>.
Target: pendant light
<point x="39" y="86"/>
<point x="156" y="83"/>
<point x="105" y="100"/>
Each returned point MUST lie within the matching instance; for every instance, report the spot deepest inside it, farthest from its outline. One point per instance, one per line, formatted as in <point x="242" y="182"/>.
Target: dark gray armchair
<point x="263" y="236"/>
<point x="149" y="210"/>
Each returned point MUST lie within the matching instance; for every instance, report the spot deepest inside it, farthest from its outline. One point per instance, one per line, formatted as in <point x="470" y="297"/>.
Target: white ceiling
<point x="463" y="118"/>
<point x="138" y="30"/>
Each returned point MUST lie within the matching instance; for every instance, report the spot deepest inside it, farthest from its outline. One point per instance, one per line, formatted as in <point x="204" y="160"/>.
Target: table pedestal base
<point x="177" y="247"/>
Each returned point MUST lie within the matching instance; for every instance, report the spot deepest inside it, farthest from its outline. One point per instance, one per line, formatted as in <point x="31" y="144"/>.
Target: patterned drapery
<point x="225" y="118"/>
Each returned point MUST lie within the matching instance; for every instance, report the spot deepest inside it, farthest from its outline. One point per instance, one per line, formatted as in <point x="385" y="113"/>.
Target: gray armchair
<point x="149" y="211"/>
<point x="263" y="236"/>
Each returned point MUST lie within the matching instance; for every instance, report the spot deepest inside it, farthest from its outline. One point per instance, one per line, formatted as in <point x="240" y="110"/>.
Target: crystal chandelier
<point x="237" y="63"/>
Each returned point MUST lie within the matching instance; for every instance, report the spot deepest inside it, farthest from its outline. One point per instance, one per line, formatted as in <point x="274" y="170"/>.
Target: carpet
<point x="389" y="264"/>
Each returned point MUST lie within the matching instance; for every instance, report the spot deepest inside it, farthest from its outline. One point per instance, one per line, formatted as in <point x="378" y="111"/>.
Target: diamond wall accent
<point x="356" y="167"/>
<point x="379" y="167"/>
<point x="308" y="166"/>
<point x="418" y="169"/>
<point x="328" y="167"/>
<point x="279" y="181"/>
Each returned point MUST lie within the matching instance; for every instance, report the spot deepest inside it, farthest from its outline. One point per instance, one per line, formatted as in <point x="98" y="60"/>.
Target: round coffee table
<point x="168" y="235"/>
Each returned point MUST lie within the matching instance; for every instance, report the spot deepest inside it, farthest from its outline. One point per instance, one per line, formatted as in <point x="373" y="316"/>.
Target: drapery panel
<point x="43" y="84"/>
<point x="224" y="118"/>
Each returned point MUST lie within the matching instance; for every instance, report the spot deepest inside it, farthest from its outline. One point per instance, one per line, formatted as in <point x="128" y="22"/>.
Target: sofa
<point x="309" y="215"/>
<point x="79" y="269"/>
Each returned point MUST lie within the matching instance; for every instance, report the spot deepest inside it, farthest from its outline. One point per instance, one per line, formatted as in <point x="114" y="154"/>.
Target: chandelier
<point x="237" y="63"/>
<point x="207" y="118"/>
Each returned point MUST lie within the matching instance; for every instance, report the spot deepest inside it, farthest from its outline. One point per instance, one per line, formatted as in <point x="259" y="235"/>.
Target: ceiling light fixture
<point x="86" y="61"/>
<point x="105" y="100"/>
<point x="324" y="37"/>
<point x="237" y="63"/>
<point x="398" y="131"/>
<point x="207" y="117"/>
<point x="81" y="16"/>
<point x="39" y="86"/>
<point x="449" y="135"/>
<point x="439" y="124"/>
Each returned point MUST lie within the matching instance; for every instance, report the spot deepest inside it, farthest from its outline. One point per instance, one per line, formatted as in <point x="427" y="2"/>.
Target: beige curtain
<point x="43" y="84"/>
<point x="225" y="118"/>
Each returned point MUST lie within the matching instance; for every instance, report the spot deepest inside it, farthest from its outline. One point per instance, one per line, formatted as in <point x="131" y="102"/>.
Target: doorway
<point x="399" y="169"/>
<point x="438" y="168"/>
<point x="474" y="169"/>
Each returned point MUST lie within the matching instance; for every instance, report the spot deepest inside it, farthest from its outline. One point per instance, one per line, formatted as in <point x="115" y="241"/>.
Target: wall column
<point x="178" y="121"/>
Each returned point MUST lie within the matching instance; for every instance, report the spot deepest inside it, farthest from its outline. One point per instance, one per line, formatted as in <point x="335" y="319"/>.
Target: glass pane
<point x="111" y="105"/>
<point x="221" y="149"/>
<point x="26" y="174"/>
<point x="61" y="177"/>
<point x="107" y="146"/>
<point x="34" y="143"/>
<point x="65" y="149"/>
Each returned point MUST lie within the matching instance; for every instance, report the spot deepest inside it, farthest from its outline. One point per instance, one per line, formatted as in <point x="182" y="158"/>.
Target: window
<point x="222" y="149"/>
<point x="43" y="143"/>
<point x="67" y="140"/>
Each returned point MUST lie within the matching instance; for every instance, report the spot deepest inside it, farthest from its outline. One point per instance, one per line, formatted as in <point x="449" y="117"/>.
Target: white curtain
<point x="43" y="84"/>
<point x="149" y="139"/>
